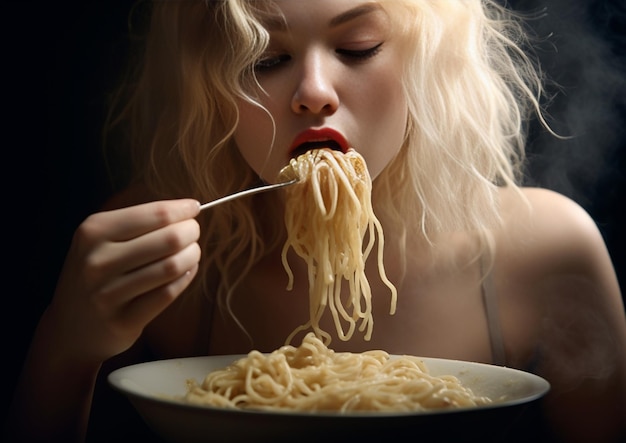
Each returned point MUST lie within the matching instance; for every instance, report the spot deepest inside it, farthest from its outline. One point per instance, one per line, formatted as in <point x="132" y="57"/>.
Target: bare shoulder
<point x="553" y="232"/>
<point x="547" y="241"/>
<point x="548" y="215"/>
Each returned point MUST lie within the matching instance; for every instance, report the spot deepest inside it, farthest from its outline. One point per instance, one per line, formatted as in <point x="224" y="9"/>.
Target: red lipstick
<point x="324" y="137"/>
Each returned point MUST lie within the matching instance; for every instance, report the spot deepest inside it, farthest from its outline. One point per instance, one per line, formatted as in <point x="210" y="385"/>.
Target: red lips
<point x="317" y="137"/>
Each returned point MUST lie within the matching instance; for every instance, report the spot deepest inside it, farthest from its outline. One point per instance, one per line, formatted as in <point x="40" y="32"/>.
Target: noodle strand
<point x="327" y="216"/>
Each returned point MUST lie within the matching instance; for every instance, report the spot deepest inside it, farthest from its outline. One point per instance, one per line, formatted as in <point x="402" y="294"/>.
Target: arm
<point x="123" y="268"/>
<point x="578" y="323"/>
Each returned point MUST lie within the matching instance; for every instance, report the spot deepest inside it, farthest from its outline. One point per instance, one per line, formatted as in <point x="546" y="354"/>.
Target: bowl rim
<point x="119" y="381"/>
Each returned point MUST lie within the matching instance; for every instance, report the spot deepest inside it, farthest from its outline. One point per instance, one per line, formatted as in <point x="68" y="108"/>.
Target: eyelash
<point x="274" y="62"/>
<point x="359" y="55"/>
<point x="269" y="63"/>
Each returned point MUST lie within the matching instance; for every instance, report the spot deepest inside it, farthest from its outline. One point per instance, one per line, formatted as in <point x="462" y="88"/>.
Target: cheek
<point x="253" y="136"/>
<point x="388" y="124"/>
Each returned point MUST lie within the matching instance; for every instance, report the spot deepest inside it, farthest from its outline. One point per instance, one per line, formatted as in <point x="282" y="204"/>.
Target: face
<point x="332" y="77"/>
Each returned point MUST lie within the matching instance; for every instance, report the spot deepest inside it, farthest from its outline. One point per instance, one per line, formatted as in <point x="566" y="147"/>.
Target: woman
<point x="434" y="95"/>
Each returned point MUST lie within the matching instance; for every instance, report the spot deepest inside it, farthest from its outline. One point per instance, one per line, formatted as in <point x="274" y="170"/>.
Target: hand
<point x="124" y="267"/>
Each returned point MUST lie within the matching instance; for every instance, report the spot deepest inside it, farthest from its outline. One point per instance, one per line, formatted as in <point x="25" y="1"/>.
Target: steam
<point x="581" y="53"/>
<point x="575" y="342"/>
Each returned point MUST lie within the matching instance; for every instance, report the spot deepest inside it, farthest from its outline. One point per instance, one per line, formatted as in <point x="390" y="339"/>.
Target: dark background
<point x="61" y="59"/>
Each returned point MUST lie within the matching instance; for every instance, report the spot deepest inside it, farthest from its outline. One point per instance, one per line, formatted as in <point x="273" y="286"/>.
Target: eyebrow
<point x="279" y="24"/>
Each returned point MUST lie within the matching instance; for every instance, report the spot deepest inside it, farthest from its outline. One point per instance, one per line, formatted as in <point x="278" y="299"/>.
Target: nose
<point x="315" y="91"/>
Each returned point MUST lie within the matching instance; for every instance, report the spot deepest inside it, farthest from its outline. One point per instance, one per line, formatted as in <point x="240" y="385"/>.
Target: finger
<point x="128" y="223"/>
<point x="143" y="280"/>
<point x="141" y="310"/>
<point x="121" y="257"/>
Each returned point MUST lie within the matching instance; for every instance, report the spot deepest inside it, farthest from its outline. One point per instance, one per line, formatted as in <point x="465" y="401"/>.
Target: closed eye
<point x="273" y="62"/>
<point x="359" y="54"/>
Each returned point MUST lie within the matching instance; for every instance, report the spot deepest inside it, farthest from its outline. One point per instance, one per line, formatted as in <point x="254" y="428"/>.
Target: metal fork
<point x="250" y="191"/>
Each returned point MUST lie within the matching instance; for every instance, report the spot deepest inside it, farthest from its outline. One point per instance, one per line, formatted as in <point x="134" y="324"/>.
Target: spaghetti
<point x="312" y="377"/>
<point x="328" y="214"/>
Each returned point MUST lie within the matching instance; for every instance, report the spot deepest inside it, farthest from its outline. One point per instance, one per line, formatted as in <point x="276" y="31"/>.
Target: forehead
<point x="281" y="15"/>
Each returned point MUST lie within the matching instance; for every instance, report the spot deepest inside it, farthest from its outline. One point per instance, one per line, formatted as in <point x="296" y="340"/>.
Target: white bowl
<point x="152" y="387"/>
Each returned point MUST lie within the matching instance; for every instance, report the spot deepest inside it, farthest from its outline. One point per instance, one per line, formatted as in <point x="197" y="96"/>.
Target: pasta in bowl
<point x="313" y="377"/>
<point x="206" y="398"/>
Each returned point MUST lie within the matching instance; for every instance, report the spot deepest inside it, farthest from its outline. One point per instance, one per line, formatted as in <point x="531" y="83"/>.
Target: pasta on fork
<point x="328" y="215"/>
